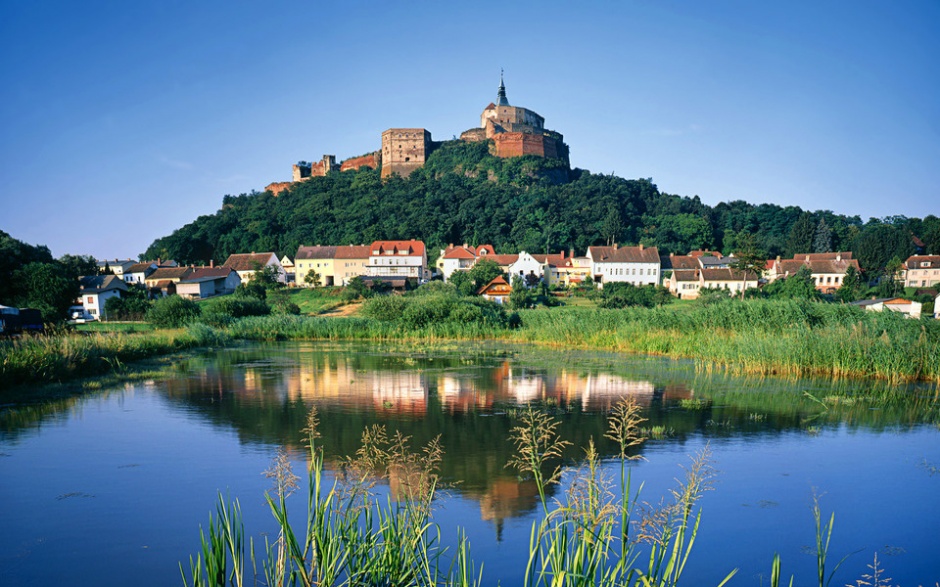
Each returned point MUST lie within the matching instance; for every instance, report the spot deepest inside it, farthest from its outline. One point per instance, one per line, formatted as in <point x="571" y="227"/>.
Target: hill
<point x="465" y="195"/>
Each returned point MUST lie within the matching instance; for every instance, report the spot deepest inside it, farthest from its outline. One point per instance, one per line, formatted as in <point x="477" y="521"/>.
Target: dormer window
<point x="925" y="263"/>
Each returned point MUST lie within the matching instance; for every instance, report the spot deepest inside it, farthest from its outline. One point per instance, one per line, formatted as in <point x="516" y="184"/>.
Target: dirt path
<point x="343" y="311"/>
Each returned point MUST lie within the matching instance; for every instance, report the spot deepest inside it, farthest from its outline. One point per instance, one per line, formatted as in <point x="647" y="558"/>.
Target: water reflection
<point x="259" y="396"/>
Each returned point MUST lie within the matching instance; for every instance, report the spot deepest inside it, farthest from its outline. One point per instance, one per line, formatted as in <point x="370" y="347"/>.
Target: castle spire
<point x="501" y="94"/>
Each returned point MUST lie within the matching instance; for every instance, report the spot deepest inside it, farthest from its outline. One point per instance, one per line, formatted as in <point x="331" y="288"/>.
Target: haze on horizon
<point x="122" y="122"/>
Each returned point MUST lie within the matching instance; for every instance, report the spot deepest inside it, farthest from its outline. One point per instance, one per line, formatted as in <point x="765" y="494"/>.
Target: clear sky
<point x="122" y="121"/>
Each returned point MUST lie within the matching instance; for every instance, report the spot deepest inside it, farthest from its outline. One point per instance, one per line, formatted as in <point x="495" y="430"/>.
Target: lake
<point x="110" y="487"/>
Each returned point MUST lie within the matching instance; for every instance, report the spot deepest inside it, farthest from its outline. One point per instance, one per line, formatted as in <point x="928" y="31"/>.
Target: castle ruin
<point x="514" y="130"/>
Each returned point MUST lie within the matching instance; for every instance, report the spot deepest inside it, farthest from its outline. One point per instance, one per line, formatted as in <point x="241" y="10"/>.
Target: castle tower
<point x="404" y="150"/>
<point x="501" y="99"/>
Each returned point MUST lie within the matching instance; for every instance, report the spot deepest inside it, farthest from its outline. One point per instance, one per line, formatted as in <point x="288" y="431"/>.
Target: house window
<point x="91" y="300"/>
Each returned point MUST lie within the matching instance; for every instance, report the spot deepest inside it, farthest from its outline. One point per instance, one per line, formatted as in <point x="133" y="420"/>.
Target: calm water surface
<point x="110" y="488"/>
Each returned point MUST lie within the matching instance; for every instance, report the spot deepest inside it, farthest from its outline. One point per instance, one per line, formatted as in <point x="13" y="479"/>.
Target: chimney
<point x="211" y="263"/>
<point x="838" y="256"/>
<point x="641" y="246"/>
<point x="615" y="246"/>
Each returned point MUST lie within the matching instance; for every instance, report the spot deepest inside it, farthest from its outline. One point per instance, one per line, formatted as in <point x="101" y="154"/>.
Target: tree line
<point x="465" y="195"/>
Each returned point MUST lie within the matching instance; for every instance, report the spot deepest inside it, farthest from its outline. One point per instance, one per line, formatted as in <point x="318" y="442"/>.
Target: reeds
<point x="352" y="535"/>
<point x="52" y="358"/>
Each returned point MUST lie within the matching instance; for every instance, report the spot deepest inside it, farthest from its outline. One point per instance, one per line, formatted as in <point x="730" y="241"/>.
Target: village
<point x="402" y="265"/>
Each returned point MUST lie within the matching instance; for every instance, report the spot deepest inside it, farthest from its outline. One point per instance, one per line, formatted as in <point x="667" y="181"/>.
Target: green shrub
<point x="173" y="312"/>
<point x="384" y="307"/>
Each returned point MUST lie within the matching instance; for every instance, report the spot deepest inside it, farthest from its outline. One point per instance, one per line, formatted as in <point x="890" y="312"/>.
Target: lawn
<point x="314" y="301"/>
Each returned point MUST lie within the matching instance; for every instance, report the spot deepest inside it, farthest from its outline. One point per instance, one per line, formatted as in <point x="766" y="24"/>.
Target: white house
<point x="461" y="258"/>
<point x="139" y="272"/>
<point x="638" y="265"/>
<point x="206" y="282"/>
<point x="247" y="264"/>
<point x="525" y="266"/>
<point x="922" y="271"/>
<point x="96" y="290"/>
<point x="398" y="259"/>
<point x="906" y="307"/>
<point x="116" y="266"/>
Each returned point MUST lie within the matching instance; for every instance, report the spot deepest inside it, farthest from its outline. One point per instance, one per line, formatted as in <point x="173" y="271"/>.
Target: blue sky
<point x="122" y="121"/>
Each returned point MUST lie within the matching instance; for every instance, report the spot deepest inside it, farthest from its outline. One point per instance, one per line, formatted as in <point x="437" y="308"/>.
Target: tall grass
<point x="354" y="536"/>
<point x="52" y="358"/>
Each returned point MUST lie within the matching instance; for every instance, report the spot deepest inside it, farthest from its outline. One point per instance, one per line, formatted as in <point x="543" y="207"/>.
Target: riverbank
<point x="756" y="337"/>
<point x="63" y="357"/>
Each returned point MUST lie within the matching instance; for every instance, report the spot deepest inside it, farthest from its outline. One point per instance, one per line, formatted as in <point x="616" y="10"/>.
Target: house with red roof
<point x="921" y="271"/>
<point x="206" y="282"/>
<point x="399" y="260"/>
<point x="639" y="265"/>
<point x="461" y="258"/>
<point x="247" y="264"/>
<point x="827" y="269"/>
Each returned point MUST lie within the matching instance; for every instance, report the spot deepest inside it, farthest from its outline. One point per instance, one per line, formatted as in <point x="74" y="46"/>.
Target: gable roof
<point x="169" y="273"/>
<point x="914" y="261"/>
<point x="791" y="266"/>
<point x="248" y="261"/>
<point x="353" y="251"/>
<point x="680" y="262"/>
<point x="141" y="267"/>
<point x="206" y="273"/>
<point x="412" y="247"/>
<point x="727" y="274"/>
<point x="824" y="256"/>
<point x="554" y="259"/>
<point x="503" y="260"/>
<point x="315" y="252"/>
<point x="498" y="280"/>
<point x="101" y="283"/>
<point x="453" y="252"/>
<point x="616" y="254"/>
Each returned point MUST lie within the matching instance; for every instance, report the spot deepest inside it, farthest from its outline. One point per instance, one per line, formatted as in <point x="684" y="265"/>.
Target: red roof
<point x="248" y="261"/>
<point x="496" y="281"/>
<point x="624" y="254"/>
<point x="411" y="247"/>
<point x="352" y="252"/>
<point x="453" y="252"/>
<point x="915" y="261"/>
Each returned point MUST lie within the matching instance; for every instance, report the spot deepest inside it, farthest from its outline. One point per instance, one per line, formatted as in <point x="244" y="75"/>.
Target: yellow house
<point x="335" y="265"/>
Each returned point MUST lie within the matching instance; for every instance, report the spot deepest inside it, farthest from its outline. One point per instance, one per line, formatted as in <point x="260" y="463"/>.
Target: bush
<point x="384" y="307"/>
<point x="173" y="312"/>
<point x="222" y="311"/>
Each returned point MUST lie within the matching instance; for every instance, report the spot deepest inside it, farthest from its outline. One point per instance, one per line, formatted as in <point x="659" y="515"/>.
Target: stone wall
<point x="372" y="161"/>
<point x="517" y="144"/>
<point x="278" y="187"/>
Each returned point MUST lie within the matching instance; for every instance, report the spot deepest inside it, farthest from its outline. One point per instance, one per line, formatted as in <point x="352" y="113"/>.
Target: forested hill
<point x="464" y="195"/>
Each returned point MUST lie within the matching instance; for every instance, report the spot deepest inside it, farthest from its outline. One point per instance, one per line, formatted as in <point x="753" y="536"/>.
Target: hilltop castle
<point x="514" y="130"/>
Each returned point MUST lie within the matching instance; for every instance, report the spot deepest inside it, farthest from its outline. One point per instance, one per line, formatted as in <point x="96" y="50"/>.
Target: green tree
<point x="356" y="289"/>
<point x="312" y="278"/>
<point x="822" y="240"/>
<point x="801" y="235"/>
<point x="44" y="287"/>
<point x="849" y="291"/>
<point x="76" y="266"/>
<point x="463" y="283"/>
<point x="483" y="272"/>
<point x="612" y="225"/>
<point x="131" y="305"/>
<point x="797" y="286"/>
<point x="749" y="260"/>
<point x="521" y="296"/>
<point x="173" y="312"/>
